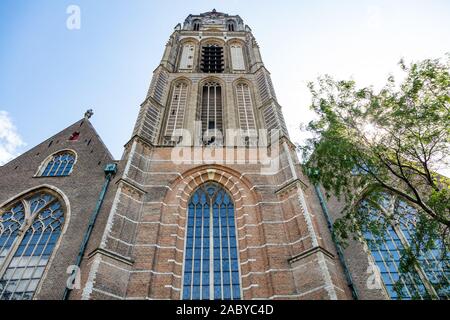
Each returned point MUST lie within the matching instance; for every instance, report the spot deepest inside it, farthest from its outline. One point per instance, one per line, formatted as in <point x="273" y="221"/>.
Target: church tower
<point x="211" y="202"/>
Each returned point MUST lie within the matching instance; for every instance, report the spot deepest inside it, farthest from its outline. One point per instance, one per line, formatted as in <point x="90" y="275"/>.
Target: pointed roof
<point x="85" y="131"/>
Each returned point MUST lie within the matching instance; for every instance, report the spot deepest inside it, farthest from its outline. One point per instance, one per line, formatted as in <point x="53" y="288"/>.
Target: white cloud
<point x="444" y="172"/>
<point x="10" y="140"/>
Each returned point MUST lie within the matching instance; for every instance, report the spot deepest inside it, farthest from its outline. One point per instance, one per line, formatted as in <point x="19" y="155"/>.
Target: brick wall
<point x="81" y="188"/>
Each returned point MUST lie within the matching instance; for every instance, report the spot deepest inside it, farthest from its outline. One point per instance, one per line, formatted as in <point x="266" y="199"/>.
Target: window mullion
<point x="251" y="107"/>
<point x="193" y="252"/>
<point x="215" y="112"/>
<point x="201" y="252"/>
<point x="246" y="106"/>
<point x="178" y="107"/>
<point x="220" y="250"/>
<point x="38" y="261"/>
<point x="207" y="111"/>
<point x="211" y="253"/>
<point x="230" y="271"/>
<point x="30" y="257"/>
<point x="220" y="214"/>
<point x="422" y="275"/>
<point x="15" y="268"/>
<point x="10" y="255"/>
<point x="15" y="245"/>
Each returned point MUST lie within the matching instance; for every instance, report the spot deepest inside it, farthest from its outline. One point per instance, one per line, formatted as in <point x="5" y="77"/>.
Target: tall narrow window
<point x="435" y="268"/>
<point x="211" y="266"/>
<point x="231" y="26"/>
<point x="245" y="107"/>
<point x="211" y="114"/>
<point x="388" y="247"/>
<point x="158" y="85"/>
<point x="177" y="109"/>
<point x="59" y="165"/>
<point x="273" y="117"/>
<point x="212" y="59"/>
<point x="237" y="57"/>
<point x="386" y="251"/>
<point x="187" y="57"/>
<point x="196" y="25"/>
<point x="29" y="231"/>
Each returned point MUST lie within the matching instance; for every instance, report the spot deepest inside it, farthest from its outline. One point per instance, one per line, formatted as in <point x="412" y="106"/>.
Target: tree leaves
<point x="392" y="140"/>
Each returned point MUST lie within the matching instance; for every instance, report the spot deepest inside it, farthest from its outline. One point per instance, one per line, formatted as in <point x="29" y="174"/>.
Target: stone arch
<point x="182" y="79"/>
<point x="192" y="40"/>
<point x="232" y="41"/>
<point x="65" y="203"/>
<point x="211" y="79"/>
<point x="45" y="162"/>
<point x="243" y="80"/>
<point x="213" y="41"/>
<point x="230" y="179"/>
<point x="247" y="216"/>
<point x="364" y="192"/>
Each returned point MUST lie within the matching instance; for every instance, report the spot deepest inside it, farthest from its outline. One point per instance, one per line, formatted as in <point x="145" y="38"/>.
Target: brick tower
<point x="211" y="202"/>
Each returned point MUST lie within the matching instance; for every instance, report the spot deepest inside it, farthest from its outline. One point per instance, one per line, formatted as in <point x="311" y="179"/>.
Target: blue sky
<point x="50" y="75"/>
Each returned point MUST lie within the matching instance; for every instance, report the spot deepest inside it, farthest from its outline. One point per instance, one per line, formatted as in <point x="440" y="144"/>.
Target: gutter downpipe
<point x="110" y="170"/>
<point x="338" y="247"/>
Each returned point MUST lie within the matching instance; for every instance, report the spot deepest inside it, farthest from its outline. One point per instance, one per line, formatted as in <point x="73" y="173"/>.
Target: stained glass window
<point x="60" y="164"/>
<point x="434" y="265"/>
<point x="211" y="266"/>
<point x="29" y="231"/>
<point x="387" y="248"/>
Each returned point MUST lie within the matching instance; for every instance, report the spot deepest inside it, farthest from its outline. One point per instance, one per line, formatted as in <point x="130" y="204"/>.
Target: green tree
<point x="393" y="140"/>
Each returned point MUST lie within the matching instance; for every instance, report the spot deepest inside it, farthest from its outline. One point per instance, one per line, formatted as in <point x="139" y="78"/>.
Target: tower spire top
<point x="88" y="114"/>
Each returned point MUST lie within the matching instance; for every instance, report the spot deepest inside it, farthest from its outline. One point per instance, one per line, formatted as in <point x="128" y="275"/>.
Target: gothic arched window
<point x="396" y="218"/>
<point x="211" y="265"/>
<point x="237" y="57"/>
<point x="211" y="114"/>
<point x="245" y="107"/>
<point x="187" y="56"/>
<point x="177" y="110"/>
<point x="231" y="25"/>
<point x="196" y="25"/>
<point x="59" y="165"/>
<point x="29" y="231"/>
<point x="212" y="59"/>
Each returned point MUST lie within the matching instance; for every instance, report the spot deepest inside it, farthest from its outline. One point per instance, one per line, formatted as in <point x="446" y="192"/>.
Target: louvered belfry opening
<point x="212" y="59"/>
<point x="211" y="114"/>
<point x="175" y="118"/>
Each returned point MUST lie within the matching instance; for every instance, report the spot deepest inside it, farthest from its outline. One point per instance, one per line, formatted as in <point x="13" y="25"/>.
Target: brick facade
<point x="78" y="192"/>
<point x="282" y="250"/>
<point x="136" y="250"/>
